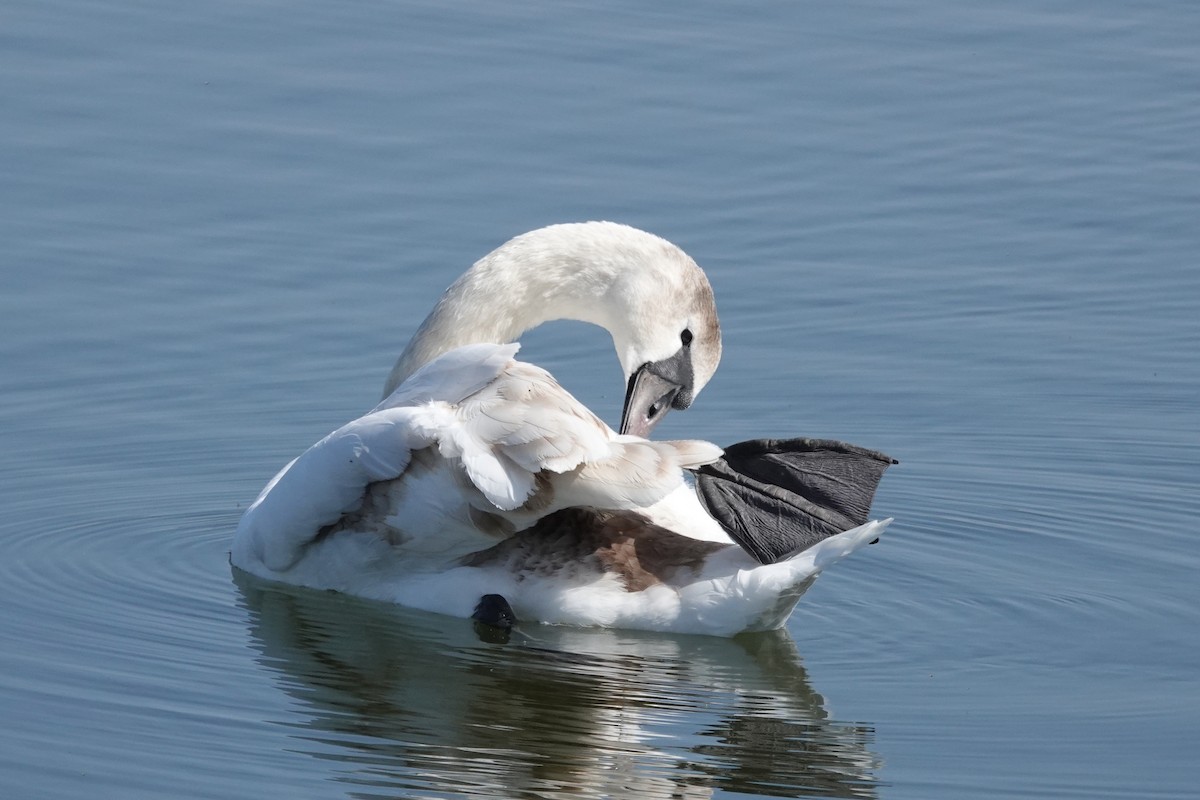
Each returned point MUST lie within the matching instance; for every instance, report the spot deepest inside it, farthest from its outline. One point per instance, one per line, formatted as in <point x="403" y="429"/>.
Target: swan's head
<point x="650" y="295"/>
<point x="663" y="321"/>
<point x="668" y="353"/>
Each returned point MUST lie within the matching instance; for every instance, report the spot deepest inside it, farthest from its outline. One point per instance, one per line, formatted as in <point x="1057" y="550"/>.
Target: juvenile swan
<point x="652" y="298"/>
<point x="478" y="474"/>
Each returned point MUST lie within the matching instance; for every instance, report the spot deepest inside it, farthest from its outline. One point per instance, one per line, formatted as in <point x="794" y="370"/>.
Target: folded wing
<point x="514" y="444"/>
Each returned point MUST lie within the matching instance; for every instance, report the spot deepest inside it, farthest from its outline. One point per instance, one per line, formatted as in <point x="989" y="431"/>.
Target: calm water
<point x="964" y="234"/>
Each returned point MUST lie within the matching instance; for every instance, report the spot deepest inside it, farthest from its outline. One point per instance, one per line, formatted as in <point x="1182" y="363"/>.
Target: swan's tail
<point x="774" y="589"/>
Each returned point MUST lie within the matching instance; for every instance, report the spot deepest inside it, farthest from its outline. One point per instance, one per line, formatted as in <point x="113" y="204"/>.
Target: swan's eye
<point x="686" y="337"/>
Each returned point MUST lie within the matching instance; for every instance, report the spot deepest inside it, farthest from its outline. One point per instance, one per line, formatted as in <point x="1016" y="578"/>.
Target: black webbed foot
<point x="494" y="619"/>
<point x="777" y="497"/>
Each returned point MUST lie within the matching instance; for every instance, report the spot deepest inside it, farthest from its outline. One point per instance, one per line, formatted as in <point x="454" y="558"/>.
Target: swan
<point x="478" y="475"/>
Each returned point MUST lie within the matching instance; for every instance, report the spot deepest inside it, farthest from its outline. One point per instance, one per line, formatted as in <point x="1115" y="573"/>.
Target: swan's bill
<point x="654" y="389"/>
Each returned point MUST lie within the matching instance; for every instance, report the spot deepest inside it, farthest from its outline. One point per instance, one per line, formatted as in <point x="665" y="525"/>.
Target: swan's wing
<point x="453" y="376"/>
<point x="524" y="445"/>
<point x="777" y="497"/>
<point x="325" y="482"/>
<point x="330" y="479"/>
<point x="529" y="446"/>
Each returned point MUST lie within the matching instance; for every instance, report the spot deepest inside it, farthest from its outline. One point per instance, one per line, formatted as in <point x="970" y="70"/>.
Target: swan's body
<point x="478" y="474"/>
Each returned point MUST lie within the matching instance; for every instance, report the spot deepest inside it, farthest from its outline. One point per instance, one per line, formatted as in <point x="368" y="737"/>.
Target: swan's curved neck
<point x="509" y="291"/>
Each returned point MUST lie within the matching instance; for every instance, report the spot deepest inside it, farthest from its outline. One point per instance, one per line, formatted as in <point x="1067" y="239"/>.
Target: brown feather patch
<point x="585" y="542"/>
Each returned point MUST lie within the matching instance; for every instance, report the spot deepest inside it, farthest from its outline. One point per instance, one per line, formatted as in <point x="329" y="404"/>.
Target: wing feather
<point x="326" y="481"/>
<point x="524" y="424"/>
<point x="521" y="424"/>
<point x="524" y="445"/>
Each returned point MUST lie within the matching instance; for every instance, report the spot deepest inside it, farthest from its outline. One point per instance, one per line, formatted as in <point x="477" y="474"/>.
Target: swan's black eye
<point x="686" y="337"/>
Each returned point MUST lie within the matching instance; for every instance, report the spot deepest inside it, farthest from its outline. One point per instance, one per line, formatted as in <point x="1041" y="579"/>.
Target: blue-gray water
<point x="962" y="233"/>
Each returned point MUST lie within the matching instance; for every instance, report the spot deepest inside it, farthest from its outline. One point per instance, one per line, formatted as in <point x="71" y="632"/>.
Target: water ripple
<point x="135" y="618"/>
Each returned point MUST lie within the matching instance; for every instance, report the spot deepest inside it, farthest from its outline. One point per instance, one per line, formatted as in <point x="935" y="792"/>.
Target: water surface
<point x="962" y="234"/>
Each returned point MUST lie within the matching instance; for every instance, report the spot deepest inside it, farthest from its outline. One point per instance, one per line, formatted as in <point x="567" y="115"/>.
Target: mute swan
<point x="478" y="474"/>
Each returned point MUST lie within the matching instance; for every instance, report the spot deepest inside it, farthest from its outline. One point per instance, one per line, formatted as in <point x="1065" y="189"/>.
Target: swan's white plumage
<point x="470" y="447"/>
<point x="325" y="482"/>
<point x="523" y="446"/>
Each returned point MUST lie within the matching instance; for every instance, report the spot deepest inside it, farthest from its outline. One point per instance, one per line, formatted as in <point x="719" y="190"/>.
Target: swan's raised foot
<point x="778" y="497"/>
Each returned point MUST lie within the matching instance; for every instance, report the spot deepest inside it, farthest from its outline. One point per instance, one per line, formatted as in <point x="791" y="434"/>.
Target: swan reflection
<point x="411" y="703"/>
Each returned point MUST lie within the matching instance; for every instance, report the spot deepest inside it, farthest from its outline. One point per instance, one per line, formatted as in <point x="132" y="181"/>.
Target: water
<point x="964" y="234"/>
